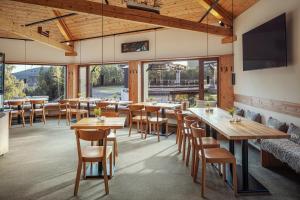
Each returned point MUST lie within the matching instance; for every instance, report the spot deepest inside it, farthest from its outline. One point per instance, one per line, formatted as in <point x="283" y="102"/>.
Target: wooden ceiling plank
<point x="217" y="11"/>
<point x="9" y="26"/>
<point x="96" y="8"/>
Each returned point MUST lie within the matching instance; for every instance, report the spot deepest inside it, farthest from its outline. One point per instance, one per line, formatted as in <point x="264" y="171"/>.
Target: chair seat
<point x="210" y="142"/>
<point x="16" y="111"/>
<point x="37" y="110"/>
<point x="111" y="136"/>
<point x="78" y="111"/>
<point x="138" y="118"/>
<point x="94" y="153"/>
<point x="218" y="155"/>
<point x="160" y="120"/>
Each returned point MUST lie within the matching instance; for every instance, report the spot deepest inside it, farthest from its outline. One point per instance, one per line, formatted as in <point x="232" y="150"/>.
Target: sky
<point x="19" y="68"/>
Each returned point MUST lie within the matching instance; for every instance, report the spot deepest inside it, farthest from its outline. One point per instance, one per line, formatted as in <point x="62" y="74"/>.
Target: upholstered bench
<point x="274" y="152"/>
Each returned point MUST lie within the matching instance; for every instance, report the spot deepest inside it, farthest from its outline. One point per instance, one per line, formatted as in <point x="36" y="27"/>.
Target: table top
<point x="246" y="129"/>
<point x="91" y="99"/>
<point x="161" y="105"/>
<point x="25" y="100"/>
<point x="117" y="102"/>
<point x="94" y="123"/>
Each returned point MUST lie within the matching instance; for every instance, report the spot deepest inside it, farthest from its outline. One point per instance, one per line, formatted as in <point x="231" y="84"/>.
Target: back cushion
<point x="240" y="112"/>
<point x="294" y="132"/>
<point x="253" y="116"/>
<point x="276" y="124"/>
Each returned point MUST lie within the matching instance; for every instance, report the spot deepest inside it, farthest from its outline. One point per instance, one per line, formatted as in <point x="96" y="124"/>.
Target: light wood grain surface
<point x="161" y="105"/>
<point x="94" y="123"/>
<point x="246" y="129"/>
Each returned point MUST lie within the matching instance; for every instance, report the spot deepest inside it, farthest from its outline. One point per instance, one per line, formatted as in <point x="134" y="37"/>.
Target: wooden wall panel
<point x="226" y="94"/>
<point x="72" y="80"/>
<point x="284" y="107"/>
<point x="133" y="83"/>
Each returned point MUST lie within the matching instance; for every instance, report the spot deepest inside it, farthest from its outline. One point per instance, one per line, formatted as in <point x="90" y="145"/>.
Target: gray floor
<point x="42" y="162"/>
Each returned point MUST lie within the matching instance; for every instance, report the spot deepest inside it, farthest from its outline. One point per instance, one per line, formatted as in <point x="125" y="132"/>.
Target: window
<point x="109" y="81"/>
<point x="34" y="81"/>
<point x="188" y="80"/>
<point x="172" y="81"/>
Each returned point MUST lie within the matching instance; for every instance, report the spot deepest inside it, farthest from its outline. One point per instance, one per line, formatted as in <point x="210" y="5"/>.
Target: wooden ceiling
<point x="87" y="25"/>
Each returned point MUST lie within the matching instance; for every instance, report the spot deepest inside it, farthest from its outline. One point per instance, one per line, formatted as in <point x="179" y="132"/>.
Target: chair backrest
<point x="152" y="109"/>
<point x="13" y="104"/>
<point x="188" y="120"/>
<point x="197" y="134"/>
<point x="135" y="110"/>
<point x="40" y="103"/>
<point x="110" y="114"/>
<point x="91" y="135"/>
<point x="62" y="104"/>
<point x="102" y="105"/>
<point x="73" y="104"/>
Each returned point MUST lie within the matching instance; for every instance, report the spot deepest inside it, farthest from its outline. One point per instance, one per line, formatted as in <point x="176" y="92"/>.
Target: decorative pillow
<point x="253" y="116"/>
<point x="276" y="124"/>
<point x="240" y="112"/>
<point x="294" y="132"/>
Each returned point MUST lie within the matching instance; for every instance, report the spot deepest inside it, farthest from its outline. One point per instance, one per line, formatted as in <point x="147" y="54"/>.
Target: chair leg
<point x="105" y="176"/>
<point x="10" y="120"/>
<point x="44" y="117"/>
<point x="203" y="178"/>
<point x="23" y="119"/>
<point x="84" y="170"/>
<point x="78" y="177"/>
<point x="59" y="117"/>
<point x="183" y="146"/>
<point x="177" y="129"/>
<point x="31" y="118"/>
<point x="167" y="129"/>
<point x="111" y="165"/>
<point x="130" y="127"/>
<point x="157" y="131"/>
<point x="196" y="166"/>
<point x="193" y="161"/>
<point x="188" y="153"/>
<point x="180" y="142"/>
<point x="115" y="150"/>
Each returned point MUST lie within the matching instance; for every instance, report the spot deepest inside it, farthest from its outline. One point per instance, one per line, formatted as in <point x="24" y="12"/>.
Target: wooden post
<point x="72" y="80"/>
<point x="133" y="80"/>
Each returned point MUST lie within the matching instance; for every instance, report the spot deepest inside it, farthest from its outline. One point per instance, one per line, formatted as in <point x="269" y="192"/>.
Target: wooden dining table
<point x="164" y="107"/>
<point x="95" y="170"/>
<point x="219" y="121"/>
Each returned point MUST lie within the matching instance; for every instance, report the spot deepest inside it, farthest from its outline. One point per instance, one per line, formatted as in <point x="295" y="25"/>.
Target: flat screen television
<point x="265" y="46"/>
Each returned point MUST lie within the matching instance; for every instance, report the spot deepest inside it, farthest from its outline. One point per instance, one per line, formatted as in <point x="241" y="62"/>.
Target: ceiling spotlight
<point x="221" y="23"/>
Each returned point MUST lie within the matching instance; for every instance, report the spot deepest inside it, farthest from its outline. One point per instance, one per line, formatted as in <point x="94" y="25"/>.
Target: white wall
<point x="276" y="83"/>
<point x="171" y="43"/>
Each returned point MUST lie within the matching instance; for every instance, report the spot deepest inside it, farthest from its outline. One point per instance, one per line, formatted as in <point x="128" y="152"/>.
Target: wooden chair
<point x="112" y="135"/>
<point x="13" y="105"/>
<point x="93" y="153"/>
<point x="187" y="136"/>
<point x="102" y="105"/>
<point x="208" y="142"/>
<point x="37" y="107"/>
<point x="136" y="115"/>
<point x="73" y="108"/>
<point x="156" y="121"/>
<point x="211" y="155"/>
<point x="62" y="106"/>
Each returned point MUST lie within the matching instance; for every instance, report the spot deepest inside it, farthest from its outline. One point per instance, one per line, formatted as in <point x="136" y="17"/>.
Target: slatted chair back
<point x="37" y="104"/>
<point x="102" y="105"/>
<point x="15" y="104"/>
<point x="198" y="133"/>
<point x="152" y="110"/>
<point x="188" y="120"/>
<point x="110" y="114"/>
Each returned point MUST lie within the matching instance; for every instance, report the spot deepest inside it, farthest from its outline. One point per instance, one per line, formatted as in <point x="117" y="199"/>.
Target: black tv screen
<point x="265" y="46"/>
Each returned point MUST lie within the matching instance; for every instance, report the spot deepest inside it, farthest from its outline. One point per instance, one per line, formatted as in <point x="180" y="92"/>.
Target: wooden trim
<point x="268" y="160"/>
<point x="278" y="106"/>
<point x="217" y="11"/>
<point x="8" y="25"/>
<point x="229" y="39"/>
<point x="201" y="79"/>
<point x="96" y="8"/>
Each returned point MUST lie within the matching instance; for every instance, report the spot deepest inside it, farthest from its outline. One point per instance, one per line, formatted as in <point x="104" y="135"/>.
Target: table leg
<point x="116" y="107"/>
<point x="247" y="184"/>
<point x="163" y="115"/>
<point x="88" y="107"/>
<point x="34" y="116"/>
<point x="207" y="130"/>
<point x="19" y="116"/>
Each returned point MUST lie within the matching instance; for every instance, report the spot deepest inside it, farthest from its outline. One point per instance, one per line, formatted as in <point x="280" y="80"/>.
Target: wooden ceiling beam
<point x="62" y="26"/>
<point x="100" y="9"/>
<point x="217" y="11"/>
<point x="9" y="26"/>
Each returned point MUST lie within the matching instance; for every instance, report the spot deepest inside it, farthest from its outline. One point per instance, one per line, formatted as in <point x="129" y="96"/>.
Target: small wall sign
<point x="135" y="46"/>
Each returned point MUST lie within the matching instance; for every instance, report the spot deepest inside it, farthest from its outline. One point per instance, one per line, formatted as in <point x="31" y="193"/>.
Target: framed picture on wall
<point x="135" y="46"/>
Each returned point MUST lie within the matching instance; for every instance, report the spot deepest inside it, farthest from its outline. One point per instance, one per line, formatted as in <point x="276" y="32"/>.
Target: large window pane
<point x="109" y="81"/>
<point x="172" y="81"/>
<point x="34" y="81"/>
<point x="210" y="80"/>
